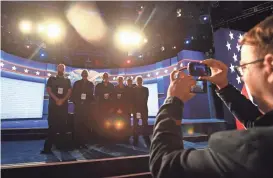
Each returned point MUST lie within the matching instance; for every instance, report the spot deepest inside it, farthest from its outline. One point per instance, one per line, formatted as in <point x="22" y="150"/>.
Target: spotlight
<point x="128" y="61"/>
<point x="204" y="19"/>
<point x="140" y="56"/>
<point x="42" y="54"/>
<point x="27" y="46"/>
<point x="162" y="48"/>
<point x="178" y="13"/>
<point x="174" y="47"/>
<point x="53" y="31"/>
<point x="26" y="26"/>
<point x="129" y="38"/>
<point x="187" y="42"/>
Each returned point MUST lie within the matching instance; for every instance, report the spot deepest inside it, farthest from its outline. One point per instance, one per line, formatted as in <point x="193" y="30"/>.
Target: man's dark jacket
<point x="121" y="99"/>
<point x="81" y="87"/>
<point x="141" y="95"/>
<point x="104" y="104"/>
<point x="231" y="154"/>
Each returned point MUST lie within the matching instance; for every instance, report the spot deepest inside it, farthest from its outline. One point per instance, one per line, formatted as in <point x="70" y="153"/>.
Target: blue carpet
<point x="42" y="123"/>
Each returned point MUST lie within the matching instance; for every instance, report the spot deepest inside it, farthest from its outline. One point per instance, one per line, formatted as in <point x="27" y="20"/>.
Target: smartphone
<point x="198" y="69"/>
<point x="200" y="87"/>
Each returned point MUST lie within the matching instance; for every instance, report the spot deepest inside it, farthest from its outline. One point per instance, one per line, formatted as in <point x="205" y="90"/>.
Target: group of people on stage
<point x="109" y="100"/>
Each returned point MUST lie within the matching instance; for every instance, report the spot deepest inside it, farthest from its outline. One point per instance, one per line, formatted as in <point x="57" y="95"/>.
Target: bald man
<point x="59" y="90"/>
<point x="82" y="97"/>
<point x="104" y="96"/>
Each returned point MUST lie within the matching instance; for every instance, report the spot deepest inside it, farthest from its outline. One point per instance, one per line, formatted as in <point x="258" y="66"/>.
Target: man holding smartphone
<point x="246" y="153"/>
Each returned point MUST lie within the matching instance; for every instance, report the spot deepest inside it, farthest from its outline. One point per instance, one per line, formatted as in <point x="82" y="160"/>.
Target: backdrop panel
<point x="155" y="76"/>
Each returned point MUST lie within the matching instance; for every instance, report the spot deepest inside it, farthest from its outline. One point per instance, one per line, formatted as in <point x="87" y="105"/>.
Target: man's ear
<point x="268" y="62"/>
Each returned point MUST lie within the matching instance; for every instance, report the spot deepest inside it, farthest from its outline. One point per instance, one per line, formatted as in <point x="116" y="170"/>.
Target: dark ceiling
<point x="164" y="29"/>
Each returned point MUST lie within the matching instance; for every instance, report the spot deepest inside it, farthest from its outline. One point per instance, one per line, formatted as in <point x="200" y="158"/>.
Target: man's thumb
<point x="204" y="78"/>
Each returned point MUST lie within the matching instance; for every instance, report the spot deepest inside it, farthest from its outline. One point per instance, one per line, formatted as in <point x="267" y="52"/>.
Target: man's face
<point x="84" y="75"/>
<point x="139" y="81"/>
<point x="255" y="75"/>
<point x="60" y="69"/>
<point x="105" y="77"/>
<point x="129" y="82"/>
<point x="120" y="81"/>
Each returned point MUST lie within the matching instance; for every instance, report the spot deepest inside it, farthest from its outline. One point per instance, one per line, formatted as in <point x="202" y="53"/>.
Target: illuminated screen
<point x="153" y="99"/>
<point x="21" y="99"/>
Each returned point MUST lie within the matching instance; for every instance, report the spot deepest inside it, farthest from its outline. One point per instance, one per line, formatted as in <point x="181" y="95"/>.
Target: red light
<point x="128" y="61"/>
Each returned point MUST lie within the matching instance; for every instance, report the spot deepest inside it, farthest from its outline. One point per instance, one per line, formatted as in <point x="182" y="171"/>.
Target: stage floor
<point x="42" y="123"/>
<point x="28" y="152"/>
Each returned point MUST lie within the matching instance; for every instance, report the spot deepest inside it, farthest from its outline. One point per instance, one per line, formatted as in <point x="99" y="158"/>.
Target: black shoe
<point x="46" y="151"/>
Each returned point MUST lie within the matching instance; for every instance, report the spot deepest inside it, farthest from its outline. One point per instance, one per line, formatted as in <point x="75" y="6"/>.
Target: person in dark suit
<point x="141" y="95"/>
<point x="82" y="97"/>
<point x="104" y="93"/>
<point x="130" y="96"/>
<point x="59" y="90"/>
<point x="234" y="154"/>
<point x="121" y="98"/>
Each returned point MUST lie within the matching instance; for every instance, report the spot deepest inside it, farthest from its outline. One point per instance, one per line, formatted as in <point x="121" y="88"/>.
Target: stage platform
<point x="28" y="152"/>
<point x="22" y="141"/>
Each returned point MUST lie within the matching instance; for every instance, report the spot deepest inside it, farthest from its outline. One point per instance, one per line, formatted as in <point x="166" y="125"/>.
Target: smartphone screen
<point x="198" y="69"/>
<point x="200" y="87"/>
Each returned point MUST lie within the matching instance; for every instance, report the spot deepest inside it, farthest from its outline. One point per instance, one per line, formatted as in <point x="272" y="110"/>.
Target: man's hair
<point x="138" y="77"/>
<point x="105" y="73"/>
<point x="129" y="79"/>
<point x="85" y="71"/>
<point x="120" y="77"/>
<point x="61" y="65"/>
<point x="261" y="37"/>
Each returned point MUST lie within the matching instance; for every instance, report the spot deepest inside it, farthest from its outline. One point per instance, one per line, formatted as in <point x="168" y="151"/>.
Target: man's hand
<point x="218" y="73"/>
<point x="60" y="102"/>
<point x="181" y="87"/>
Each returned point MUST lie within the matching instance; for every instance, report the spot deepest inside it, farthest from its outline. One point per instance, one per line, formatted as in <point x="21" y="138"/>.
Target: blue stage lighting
<point x="42" y="55"/>
<point x="187" y="42"/>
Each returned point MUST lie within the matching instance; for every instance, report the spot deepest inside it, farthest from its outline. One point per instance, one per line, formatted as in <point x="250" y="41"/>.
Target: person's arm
<point x="97" y="92"/>
<point x="49" y="90"/>
<point x="73" y="94"/>
<point x="68" y="94"/>
<point x="241" y="107"/>
<point x="91" y="91"/>
<point x="147" y="95"/>
<point x="51" y="94"/>
<point x="168" y="158"/>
